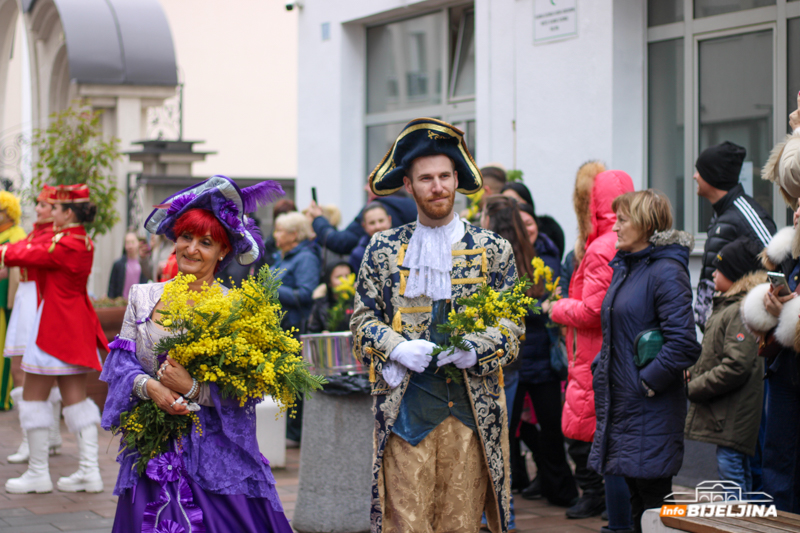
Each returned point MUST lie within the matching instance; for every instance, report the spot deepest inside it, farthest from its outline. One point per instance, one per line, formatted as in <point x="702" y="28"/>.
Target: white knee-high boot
<point x="55" y="429"/>
<point x="21" y="455"/>
<point x="82" y="419"/>
<point x="35" y="418"/>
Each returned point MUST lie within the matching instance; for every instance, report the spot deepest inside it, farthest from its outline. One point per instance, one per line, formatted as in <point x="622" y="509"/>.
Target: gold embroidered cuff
<point x="491" y="357"/>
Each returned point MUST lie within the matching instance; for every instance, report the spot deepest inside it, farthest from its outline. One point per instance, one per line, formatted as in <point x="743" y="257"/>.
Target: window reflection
<point x="379" y="141"/>
<point x="736" y="105"/>
<point x="665" y="151"/>
<point x="709" y="8"/>
<point x="462" y="52"/>
<point x="664" y="12"/>
<point x="404" y="64"/>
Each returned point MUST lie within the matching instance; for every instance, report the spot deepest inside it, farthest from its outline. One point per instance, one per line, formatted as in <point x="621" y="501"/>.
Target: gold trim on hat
<point x="388" y="163"/>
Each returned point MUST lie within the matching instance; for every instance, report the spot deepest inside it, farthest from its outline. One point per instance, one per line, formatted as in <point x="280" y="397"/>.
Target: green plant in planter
<point x="72" y="150"/>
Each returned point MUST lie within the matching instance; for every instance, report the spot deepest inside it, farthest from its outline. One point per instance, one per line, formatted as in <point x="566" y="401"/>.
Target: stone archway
<point x="115" y="55"/>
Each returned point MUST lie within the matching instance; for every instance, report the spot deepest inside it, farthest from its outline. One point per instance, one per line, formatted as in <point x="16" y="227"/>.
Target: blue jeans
<point x="618" y="503"/>
<point x="734" y="466"/>
<point x="781" y="459"/>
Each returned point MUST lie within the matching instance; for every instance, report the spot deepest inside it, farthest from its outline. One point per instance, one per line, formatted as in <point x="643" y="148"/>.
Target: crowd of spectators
<point x="623" y="317"/>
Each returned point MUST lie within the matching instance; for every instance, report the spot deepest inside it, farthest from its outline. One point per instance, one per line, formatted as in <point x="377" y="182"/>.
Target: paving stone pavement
<point x="94" y="513"/>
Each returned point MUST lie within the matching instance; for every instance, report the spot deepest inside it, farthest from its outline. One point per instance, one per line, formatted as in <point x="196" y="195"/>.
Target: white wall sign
<point x="554" y="19"/>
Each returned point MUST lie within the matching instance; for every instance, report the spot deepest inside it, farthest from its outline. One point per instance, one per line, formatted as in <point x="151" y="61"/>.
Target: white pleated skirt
<point x="23" y="315"/>
<point x="37" y="361"/>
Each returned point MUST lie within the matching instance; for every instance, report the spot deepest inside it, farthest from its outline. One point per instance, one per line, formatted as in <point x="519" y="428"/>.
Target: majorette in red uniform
<point x="67" y="338"/>
<point x="23" y="316"/>
<point x="29" y="292"/>
<point x="69" y="329"/>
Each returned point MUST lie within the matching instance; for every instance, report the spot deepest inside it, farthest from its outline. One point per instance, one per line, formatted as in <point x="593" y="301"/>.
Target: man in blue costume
<point x="441" y="447"/>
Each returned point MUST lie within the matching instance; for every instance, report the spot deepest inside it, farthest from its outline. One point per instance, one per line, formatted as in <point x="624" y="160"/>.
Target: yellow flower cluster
<point x="487" y="307"/>
<point x="540" y="270"/>
<point x="347" y="287"/>
<point x="234" y="340"/>
<point x="474" y="203"/>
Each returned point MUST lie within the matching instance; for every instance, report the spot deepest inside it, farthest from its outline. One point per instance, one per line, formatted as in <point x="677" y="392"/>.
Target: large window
<point x="665" y="122"/>
<point x="714" y="80"/>
<point x="742" y="116"/>
<point x="420" y="67"/>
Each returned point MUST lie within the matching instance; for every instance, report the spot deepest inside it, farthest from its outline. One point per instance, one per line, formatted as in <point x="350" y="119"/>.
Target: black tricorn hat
<point x="423" y="137"/>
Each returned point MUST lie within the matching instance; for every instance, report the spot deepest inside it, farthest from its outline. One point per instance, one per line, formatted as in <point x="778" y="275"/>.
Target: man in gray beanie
<point x="735" y="214"/>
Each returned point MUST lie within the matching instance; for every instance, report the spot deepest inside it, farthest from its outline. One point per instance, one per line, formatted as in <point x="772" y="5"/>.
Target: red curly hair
<point x="202" y="222"/>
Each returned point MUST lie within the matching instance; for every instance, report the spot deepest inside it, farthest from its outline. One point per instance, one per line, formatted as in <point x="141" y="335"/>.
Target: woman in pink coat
<point x="595" y="189"/>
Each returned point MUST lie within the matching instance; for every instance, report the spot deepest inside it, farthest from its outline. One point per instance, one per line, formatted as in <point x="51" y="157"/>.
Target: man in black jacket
<point x="735" y="214"/>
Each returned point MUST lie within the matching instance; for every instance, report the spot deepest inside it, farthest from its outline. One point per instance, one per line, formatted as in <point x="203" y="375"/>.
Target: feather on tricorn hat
<point x="221" y="196"/>
<point x="423" y="137"/>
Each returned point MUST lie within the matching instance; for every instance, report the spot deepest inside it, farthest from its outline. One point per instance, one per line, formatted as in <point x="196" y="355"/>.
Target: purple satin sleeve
<point x="120" y="370"/>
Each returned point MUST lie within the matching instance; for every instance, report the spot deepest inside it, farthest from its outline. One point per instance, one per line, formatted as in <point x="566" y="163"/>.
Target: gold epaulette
<point x="57" y="237"/>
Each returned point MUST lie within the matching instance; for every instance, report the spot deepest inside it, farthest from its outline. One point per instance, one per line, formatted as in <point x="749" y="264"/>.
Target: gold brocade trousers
<point x="437" y="486"/>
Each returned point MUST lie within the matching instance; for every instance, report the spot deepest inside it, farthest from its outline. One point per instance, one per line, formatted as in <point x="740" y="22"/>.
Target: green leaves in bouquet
<point x="481" y="310"/>
<point x="148" y="430"/>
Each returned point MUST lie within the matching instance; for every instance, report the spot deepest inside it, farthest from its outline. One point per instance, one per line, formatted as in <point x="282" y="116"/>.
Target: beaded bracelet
<point x="193" y="391"/>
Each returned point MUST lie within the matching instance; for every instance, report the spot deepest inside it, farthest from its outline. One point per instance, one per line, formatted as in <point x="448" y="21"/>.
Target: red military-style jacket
<point x="69" y="329"/>
<point x="42" y="234"/>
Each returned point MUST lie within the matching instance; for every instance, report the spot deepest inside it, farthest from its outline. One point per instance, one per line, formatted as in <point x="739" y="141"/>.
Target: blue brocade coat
<point x="637" y="436"/>
<point x="384" y="317"/>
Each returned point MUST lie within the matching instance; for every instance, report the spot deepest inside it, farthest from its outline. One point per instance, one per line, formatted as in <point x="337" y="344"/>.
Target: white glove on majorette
<point x="414" y="355"/>
<point x="460" y="358"/>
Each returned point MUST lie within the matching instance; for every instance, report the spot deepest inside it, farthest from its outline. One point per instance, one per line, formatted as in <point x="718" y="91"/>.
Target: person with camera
<point x="773" y="316"/>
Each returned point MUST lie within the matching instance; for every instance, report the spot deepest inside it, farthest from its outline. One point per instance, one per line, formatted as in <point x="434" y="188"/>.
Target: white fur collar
<point x="779" y="248"/>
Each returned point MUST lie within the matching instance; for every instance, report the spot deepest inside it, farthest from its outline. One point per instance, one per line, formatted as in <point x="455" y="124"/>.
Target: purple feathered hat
<point x="230" y="204"/>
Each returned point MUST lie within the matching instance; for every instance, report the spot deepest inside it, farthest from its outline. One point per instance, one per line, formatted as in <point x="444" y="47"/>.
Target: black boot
<point x="534" y="490"/>
<point x="587" y="506"/>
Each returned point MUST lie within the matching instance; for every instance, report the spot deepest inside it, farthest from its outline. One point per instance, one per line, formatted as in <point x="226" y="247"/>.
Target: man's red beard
<point x="434" y="211"/>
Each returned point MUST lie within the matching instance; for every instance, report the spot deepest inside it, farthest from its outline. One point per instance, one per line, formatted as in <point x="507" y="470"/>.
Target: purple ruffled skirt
<point x="220" y="513"/>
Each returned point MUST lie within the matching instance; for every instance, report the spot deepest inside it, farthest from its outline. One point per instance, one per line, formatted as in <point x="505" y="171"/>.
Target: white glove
<point x="393" y="373"/>
<point x="414" y="355"/>
<point x="460" y="358"/>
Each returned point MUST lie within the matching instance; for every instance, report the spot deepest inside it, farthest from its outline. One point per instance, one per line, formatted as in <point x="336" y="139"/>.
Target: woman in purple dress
<point x="217" y="480"/>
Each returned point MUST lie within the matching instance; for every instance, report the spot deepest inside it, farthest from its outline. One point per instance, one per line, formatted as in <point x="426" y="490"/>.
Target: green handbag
<point x="646" y="346"/>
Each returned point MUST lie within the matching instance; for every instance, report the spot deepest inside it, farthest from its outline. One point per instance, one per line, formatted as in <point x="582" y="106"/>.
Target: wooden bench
<point x="783" y="523"/>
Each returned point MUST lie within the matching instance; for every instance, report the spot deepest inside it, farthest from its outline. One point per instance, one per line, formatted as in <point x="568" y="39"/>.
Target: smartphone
<point x="776" y="279"/>
<point x="314" y="195"/>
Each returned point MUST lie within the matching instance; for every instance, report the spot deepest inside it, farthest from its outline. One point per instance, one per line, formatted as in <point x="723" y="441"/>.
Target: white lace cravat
<point x="429" y="259"/>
